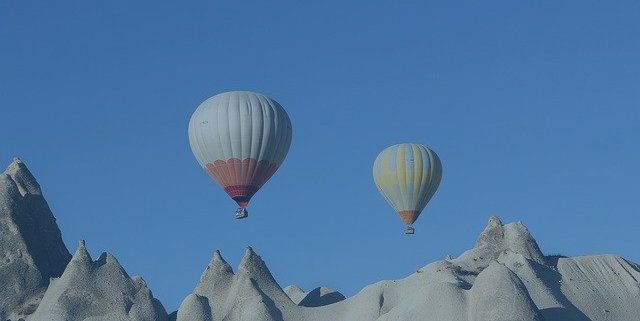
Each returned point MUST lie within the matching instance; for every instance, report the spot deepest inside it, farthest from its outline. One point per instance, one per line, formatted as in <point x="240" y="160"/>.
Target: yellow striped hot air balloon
<point x="407" y="175"/>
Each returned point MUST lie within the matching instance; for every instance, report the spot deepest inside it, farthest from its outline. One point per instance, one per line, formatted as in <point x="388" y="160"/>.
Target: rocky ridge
<point x="31" y="247"/>
<point x="504" y="276"/>
<point x="98" y="290"/>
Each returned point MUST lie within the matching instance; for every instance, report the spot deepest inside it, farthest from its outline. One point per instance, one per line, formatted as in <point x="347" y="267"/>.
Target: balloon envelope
<point x="240" y="138"/>
<point x="407" y="175"/>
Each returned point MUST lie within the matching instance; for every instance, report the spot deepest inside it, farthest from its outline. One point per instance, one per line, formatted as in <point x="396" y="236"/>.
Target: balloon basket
<point x="409" y="230"/>
<point x="242" y="213"/>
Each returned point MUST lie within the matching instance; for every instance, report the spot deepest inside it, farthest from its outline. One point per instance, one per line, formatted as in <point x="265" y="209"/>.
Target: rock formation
<point x="317" y="297"/>
<point x="504" y="276"/>
<point x="250" y="294"/>
<point x="99" y="291"/>
<point x="31" y="247"/>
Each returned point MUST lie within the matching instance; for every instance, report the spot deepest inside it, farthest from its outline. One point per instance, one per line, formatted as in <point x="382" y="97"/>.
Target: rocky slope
<point x="317" y="297"/>
<point x="40" y="281"/>
<point x="31" y="247"/>
<point x="250" y="294"/>
<point x="99" y="291"/>
<point x="504" y="276"/>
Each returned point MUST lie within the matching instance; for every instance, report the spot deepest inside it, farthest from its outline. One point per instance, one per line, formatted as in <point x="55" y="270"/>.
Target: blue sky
<point x="533" y="108"/>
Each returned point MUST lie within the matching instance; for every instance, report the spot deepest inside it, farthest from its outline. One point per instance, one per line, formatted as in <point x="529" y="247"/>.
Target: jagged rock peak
<point x="248" y="252"/>
<point x="31" y="245"/>
<point x="81" y="256"/>
<point x="514" y="237"/>
<point x="254" y="267"/>
<point x="218" y="264"/>
<point x="250" y="294"/>
<point x="491" y="233"/>
<point x="23" y="178"/>
<point x="494" y="221"/>
<point x="108" y="259"/>
<point x="251" y="260"/>
<point x="218" y="261"/>
<point x="100" y="290"/>
<point x="82" y="260"/>
<point x="216" y="278"/>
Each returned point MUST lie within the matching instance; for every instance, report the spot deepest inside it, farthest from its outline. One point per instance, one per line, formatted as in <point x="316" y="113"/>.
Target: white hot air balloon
<point x="240" y="138"/>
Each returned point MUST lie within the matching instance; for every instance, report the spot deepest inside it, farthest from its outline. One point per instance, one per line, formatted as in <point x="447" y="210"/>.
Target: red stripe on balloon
<point x="241" y="179"/>
<point x="408" y="217"/>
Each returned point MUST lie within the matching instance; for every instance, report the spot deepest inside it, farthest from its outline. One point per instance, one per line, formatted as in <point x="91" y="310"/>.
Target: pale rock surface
<point x="31" y="247"/>
<point x="195" y="307"/>
<point x="504" y="277"/>
<point x="98" y="290"/>
<point x="295" y="293"/>
<point x="496" y="239"/>
<point x="436" y="293"/>
<point x="317" y="297"/>
<point x="601" y="287"/>
<point x="250" y="294"/>
<point x="498" y="295"/>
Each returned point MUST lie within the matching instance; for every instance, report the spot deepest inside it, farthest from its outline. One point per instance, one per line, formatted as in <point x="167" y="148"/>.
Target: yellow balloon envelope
<point x="407" y="175"/>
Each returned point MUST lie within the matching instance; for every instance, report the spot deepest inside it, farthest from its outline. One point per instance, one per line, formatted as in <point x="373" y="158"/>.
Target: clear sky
<point x="533" y="108"/>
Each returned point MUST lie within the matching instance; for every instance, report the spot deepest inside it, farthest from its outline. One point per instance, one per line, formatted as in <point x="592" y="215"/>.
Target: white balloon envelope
<point x="240" y="138"/>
